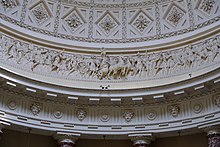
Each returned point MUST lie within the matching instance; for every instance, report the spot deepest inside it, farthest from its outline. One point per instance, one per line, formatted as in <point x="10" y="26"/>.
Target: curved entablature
<point x="39" y="113"/>
<point x="89" y="71"/>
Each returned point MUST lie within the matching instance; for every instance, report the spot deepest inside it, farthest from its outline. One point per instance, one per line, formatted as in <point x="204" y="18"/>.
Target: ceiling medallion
<point x="152" y="115"/>
<point x="104" y="116"/>
<point x="57" y="114"/>
<point x="141" y="21"/>
<point x="174" y="15"/>
<point x="197" y="108"/>
<point x="207" y="6"/>
<point x="40" y="12"/>
<point x="107" y="23"/>
<point x="8" y="4"/>
<point x="73" y="20"/>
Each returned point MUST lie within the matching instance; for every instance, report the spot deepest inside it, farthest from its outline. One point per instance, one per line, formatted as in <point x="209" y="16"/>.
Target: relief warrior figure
<point x="160" y="59"/>
<point x="127" y="67"/>
<point x="56" y="61"/>
<point x="93" y="69"/>
<point x="179" y="62"/>
<point x="82" y="66"/>
<point x="117" y="69"/>
<point x="103" y="66"/>
<point x="39" y="57"/>
<point x="215" y="51"/>
<point x="169" y="62"/>
<point x="71" y="64"/>
<point x="17" y="51"/>
<point x="22" y="51"/>
<point x="138" y="65"/>
<point x="11" y="50"/>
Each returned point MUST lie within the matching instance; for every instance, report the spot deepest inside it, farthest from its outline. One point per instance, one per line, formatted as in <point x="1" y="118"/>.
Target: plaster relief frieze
<point x="106" y="67"/>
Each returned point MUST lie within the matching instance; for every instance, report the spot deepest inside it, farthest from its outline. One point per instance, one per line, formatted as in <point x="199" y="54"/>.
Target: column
<point x="141" y="140"/>
<point x="214" y="136"/>
<point x="66" y="139"/>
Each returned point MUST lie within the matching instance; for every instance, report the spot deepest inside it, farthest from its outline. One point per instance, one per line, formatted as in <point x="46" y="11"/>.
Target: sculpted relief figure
<point x="106" y="67"/>
<point x="71" y="65"/>
<point x="116" y="70"/>
<point x="11" y="50"/>
<point x="174" y="110"/>
<point x="56" y="61"/>
<point x="127" y="67"/>
<point x="81" y="114"/>
<point x="138" y="64"/>
<point x="35" y="108"/>
<point x="103" y="67"/>
<point x="128" y="115"/>
<point x="21" y="51"/>
<point x="93" y="69"/>
<point x="38" y="57"/>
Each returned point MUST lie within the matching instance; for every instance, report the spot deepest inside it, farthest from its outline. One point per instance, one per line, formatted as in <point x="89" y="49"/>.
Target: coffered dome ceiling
<point x="102" y="54"/>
